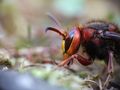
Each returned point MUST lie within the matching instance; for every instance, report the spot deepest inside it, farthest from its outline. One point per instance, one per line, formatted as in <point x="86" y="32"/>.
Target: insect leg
<point x="110" y="68"/>
<point x="84" y="61"/>
<point x="67" y="61"/>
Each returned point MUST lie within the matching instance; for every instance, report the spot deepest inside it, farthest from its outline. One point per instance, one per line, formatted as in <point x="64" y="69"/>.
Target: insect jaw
<point x="63" y="34"/>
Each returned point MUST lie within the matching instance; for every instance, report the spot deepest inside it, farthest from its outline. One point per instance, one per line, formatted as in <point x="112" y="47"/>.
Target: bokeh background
<point x="23" y="40"/>
<point x="27" y="19"/>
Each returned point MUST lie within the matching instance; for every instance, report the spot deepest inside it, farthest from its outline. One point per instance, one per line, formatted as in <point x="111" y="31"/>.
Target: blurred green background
<point x="23" y="40"/>
<point x="22" y="22"/>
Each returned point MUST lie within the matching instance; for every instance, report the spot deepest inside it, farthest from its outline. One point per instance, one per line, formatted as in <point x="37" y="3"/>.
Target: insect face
<point x="71" y="41"/>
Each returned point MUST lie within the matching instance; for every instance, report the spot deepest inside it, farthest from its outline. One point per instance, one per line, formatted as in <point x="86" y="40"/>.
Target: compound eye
<point x="68" y="41"/>
<point x="71" y="43"/>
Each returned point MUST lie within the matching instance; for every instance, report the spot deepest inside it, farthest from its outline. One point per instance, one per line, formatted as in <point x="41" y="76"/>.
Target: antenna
<point x="54" y="19"/>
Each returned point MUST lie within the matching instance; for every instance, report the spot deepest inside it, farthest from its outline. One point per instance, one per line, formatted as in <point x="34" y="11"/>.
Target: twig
<point x="100" y="84"/>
